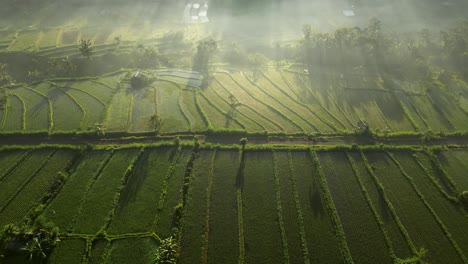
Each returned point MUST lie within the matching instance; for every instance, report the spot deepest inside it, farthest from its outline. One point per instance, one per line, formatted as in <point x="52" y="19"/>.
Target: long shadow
<point x="240" y="172"/>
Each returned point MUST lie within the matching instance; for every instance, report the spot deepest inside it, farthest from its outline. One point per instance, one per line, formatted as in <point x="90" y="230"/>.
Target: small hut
<point x="138" y="80"/>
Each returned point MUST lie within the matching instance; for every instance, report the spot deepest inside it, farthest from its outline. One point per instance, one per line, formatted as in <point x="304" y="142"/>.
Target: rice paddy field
<point x="238" y="140"/>
<point x="277" y="102"/>
<point x="258" y="205"/>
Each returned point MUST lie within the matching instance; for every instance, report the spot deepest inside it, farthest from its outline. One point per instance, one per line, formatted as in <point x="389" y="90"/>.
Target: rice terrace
<point x="234" y="131"/>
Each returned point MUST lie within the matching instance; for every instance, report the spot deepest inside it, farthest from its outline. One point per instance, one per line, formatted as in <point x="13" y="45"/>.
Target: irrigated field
<point x="279" y="101"/>
<point x="256" y="205"/>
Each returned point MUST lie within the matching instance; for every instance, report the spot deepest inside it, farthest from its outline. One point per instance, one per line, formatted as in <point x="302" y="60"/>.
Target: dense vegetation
<point x="298" y="204"/>
<point x="157" y="142"/>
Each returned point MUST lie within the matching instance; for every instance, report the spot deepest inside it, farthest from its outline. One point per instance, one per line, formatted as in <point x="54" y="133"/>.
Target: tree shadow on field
<point x="135" y="181"/>
<point x="240" y="173"/>
<point x="315" y="201"/>
<point x="383" y="208"/>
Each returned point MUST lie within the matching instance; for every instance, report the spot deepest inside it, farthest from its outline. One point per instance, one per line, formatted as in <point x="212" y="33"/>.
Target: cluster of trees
<point x="374" y="50"/>
<point x="32" y="242"/>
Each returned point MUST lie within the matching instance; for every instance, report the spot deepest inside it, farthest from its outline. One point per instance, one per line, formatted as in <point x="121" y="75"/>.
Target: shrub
<point x="167" y="252"/>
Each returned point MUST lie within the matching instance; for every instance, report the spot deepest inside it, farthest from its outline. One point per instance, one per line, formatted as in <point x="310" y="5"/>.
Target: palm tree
<point x="86" y="48"/>
<point x="34" y="249"/>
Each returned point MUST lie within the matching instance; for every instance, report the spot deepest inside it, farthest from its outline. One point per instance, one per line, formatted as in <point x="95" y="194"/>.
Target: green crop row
<point x="375" y="213"/>
<point x="206" y="233"/>
<point x="117" y="195"/>
<point x="15" y="164"/>
<point x="240" y="205"/>
<point x="287" y="108"/>
<point x="316" y="114"/>
<point x="284" y="239"/>
<point x="89" y="186"/>
<point x="428" y="206"/>
<point x="300" y="217"/>
<point x="28" y="179"/>
<point x="169" y="174"/>
<point x="434" y="180"/>
<point x="339" y="232"/>
<point x="388" y="204"/>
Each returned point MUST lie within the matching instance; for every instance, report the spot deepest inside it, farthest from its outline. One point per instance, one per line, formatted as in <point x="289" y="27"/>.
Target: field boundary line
<point x="15" y="165"/>
<point x="333" y="213"/>
<point x="5" y="112"/>
<point x="89" y="186"/>
<point x="428" y="207"/>
<point x="407" y="113"/>
<point x="322" y="119"/>
<point x="179" y="104"/>
<point x="206" y="235"/>
<point x="23" y="125"/>
<point x="436" y="183"/>
<point x="440" y="170"/>
<point x="161" y="200"/>
<point x="85" y="113"/>
<point x="123" y="181"/>
<point x="300" y="217"/>
<point x="240" y="204"/>
<point x="281" y="103"/>
<point x="130" y="113"/>
<point x="49" y="103"/>
<point x="255" y="99"/>
<point x="378" y="218"/>
<point x="200" y="110"/>
<point x="31" y="176"/>
<point x="233" y="107"/>
<point x="267" y="105"/>
<point x="228" y="116"/>
<point x="380" y="188"/>
<point x="279" y="209"/>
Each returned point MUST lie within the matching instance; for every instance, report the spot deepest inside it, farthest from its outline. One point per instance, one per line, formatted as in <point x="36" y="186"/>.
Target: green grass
<point x="63" y="120"/>
<point x="447" y="211"/>
<point x="99" y="199"/>
<point x="360" y="226"/>
<point x="37" y="109"/>
<point x="99" y="91"/>
<point x="15" y="114"/>
<point x="376" y="197"/>
<point x="194" y="218"/>
<point x="36" y="187"/>
<point x="417" y="219"/>
<point x="26" y="40"/>
<point x="98" y="251"/>
<point x="143" y="188"/>
<point x="144" y="108"/>
<point x="9" y="160"/>
<point x="323" y="245"/>
<point x="165" y="208"/>
<point x="275" y="86"/>
<point x="251" y="106"/>
<point x="48" y="38"/>
<point x="223" y="236"/>
<point x="119" y="112"/>
<point x="12" y="182"/>
<point x="217" y="117"/>
<point x="261" y="230"/>
<point x="93" y="107"/>
<point x="190" y="110"/>
<point x="454" y="163"/>
<point x="132" y="250"/>
<point x="172" y="118"/>
<point x="258" y="100"/>
<point x="63" y="208"/>
<point x="68" y="251"/>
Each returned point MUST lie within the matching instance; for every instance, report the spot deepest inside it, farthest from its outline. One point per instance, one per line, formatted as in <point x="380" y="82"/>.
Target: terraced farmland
<point x="232" y="102"/>
<point x="307" y="204"/>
